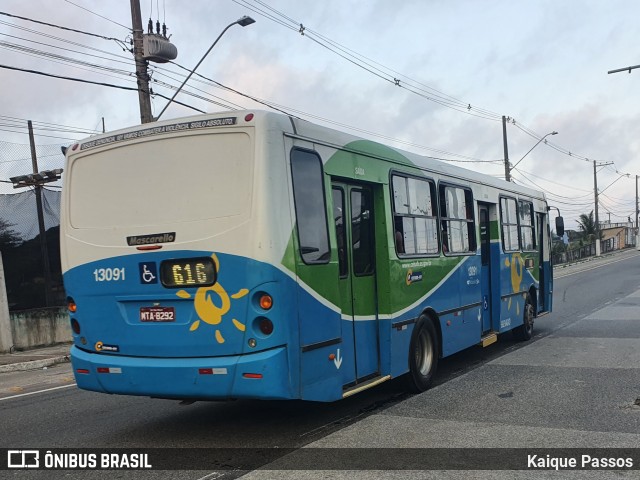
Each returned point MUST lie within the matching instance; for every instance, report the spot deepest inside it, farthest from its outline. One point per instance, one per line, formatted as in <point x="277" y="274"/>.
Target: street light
<point x="514" y="166"/>
<point x="243" y="22"/>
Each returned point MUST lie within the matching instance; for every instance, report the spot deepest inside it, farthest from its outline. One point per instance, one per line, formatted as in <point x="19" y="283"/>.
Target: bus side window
<point x="414" y="216"/>
<point x="310" y="205"/>
<point x="509" y="224"/>
<point x="458" y="219"/>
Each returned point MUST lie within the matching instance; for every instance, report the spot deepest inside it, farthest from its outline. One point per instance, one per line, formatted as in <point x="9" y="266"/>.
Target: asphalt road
<point x="69" y="418"/>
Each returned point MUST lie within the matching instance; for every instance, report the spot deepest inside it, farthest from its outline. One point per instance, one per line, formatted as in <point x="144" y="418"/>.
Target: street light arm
<point x="243" y="22"/>
<point x="621" y="176"/>
<point x="550" y="133"/>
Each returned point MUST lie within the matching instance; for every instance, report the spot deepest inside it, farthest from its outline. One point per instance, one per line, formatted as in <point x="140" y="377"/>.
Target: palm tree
<point x="587" y="225"/>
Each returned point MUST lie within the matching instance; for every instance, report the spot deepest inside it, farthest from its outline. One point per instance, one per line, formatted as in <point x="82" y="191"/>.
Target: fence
<point x="586" y="251"/>
<point x="22" y="253"/>
<point x="20" y="240"/>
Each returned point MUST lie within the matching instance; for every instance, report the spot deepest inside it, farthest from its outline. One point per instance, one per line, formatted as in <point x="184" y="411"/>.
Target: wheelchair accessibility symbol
<point x="148" y="273"/>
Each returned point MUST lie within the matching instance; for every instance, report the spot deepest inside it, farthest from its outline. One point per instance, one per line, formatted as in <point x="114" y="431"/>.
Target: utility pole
<point x="43" y="240"/>
<point x="507" y="174"/>
<point x="595" y="195"/>
<point x="637" y="214"/>
<point x="142" y="74"/>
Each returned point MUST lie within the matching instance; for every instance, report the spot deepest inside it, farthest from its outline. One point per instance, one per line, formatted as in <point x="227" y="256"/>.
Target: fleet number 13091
<point x="108" y="274"/>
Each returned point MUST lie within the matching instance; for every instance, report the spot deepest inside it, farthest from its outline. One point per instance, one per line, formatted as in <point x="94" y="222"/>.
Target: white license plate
<point x="157" y="314"/>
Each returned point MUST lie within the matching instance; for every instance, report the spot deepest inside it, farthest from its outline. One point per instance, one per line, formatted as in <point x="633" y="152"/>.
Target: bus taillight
<point x="71" y="305"/>
<point x="266" y="326"/>
<point x="75" y="326"/>
<point x="265" y="302"/>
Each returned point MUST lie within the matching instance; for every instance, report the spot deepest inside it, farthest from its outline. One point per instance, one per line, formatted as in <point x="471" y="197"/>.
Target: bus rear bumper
<point x="257" y="375"/>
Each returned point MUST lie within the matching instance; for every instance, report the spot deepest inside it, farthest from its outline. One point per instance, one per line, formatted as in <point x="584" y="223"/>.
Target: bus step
<point x="363" y="386"/>
<point x="488" y="339"/>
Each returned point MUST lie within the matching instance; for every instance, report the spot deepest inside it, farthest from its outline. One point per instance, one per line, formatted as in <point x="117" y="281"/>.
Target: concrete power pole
<point x="43" y="237"/>
<point x="142" y="74"/>
<point x="637" y="214"/>
<point x="507" y="173"/>
<point x="595" y="196"/>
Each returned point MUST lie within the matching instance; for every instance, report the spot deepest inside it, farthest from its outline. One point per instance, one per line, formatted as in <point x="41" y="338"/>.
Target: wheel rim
<point x="424" y="354"/>
<point x="528" y="318"/>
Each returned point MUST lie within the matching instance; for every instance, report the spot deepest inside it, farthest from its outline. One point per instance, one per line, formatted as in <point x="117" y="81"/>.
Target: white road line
<point x="211" y="476"/>
<point x="595" y="266"/>
<point x="39" y="391"/>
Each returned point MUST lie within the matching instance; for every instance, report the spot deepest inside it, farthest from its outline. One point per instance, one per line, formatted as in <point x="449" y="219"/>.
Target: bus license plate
<point x="157" y="314"/>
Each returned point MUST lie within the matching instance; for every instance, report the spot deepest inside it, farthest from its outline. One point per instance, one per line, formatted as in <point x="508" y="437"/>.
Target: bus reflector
<point x="252" y="375"/>
<point x="82" y="370"/>
<point x="205" y="371"/>
<point x="109" y="370"/>
<point x="248" y="117"/>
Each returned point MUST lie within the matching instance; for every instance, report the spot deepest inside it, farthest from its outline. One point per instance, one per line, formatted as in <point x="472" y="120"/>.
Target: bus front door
<point x="485" y="252"/>
<point x="354" y="221"/>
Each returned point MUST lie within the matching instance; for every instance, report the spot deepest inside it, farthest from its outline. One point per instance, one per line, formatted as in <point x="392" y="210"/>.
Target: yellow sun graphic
<point x="208" y="311"/>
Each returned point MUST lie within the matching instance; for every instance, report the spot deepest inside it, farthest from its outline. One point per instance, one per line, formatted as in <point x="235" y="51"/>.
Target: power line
<point x="366" y="64"/>
<point x="61" y="27"/>
<point x="98" y="15"/>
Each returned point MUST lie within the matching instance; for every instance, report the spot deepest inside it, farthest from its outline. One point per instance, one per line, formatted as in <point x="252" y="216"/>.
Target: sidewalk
<point x="33" y="359"/>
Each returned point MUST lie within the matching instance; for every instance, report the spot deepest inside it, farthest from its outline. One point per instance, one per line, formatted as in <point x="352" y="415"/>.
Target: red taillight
<point x="266" y="326"/>
<point x="248" y="117"/>
<point x="82" y="370"/>
<point x="75" y="326"/>
<point x="146" y="248"/>
<point x="252" y="375"/>
<point x="205" y="371"/>
<point x="103" y="370"/>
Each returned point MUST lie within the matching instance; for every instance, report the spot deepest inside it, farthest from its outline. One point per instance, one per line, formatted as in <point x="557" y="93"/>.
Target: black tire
<point x="525" y="331"/>
<point x="423" y="355"/>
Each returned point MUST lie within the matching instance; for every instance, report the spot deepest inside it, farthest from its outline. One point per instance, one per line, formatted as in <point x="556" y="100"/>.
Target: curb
<point x="34" y="364"/>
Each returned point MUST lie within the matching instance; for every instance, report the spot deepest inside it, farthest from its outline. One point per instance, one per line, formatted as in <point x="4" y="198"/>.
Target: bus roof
<point x="295" y="127"/>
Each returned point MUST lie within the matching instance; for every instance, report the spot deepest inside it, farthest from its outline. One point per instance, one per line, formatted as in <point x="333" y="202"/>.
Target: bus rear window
<point x="162" y="181"/>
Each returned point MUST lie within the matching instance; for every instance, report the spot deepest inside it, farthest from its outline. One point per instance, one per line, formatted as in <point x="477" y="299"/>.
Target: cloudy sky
<point x="461" y="65"/>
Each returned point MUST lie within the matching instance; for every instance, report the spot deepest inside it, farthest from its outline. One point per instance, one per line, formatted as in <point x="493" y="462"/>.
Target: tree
<point x="8" y="238"/>
<point x="588" y="226"/>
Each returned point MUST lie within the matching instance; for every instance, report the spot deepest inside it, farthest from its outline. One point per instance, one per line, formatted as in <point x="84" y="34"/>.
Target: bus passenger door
<point x="545" y="278"/>
<point x="354" y="220"/>
<point x="485" y="278"/>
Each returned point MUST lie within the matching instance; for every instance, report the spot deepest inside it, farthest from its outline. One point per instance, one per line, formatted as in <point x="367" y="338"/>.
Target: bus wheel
<point x="423" y="356"/>
<point x="525" y="331"/>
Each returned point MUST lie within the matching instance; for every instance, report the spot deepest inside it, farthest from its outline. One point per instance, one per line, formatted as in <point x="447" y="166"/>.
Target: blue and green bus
<point x="256" y="255"/>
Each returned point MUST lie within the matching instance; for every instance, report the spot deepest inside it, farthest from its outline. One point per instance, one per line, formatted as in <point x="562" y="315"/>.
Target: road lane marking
<point x="39" y="391"/>
<point x="596" y="266"/>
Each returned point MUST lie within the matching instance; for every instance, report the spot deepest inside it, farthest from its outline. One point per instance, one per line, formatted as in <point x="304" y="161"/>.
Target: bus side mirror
<point x="559" y="226"/>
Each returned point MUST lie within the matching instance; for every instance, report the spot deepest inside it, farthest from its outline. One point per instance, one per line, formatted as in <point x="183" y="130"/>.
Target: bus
<point x="251" y="254"/>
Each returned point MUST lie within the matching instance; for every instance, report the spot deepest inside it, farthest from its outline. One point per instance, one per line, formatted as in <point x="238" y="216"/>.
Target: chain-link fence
<point x="24" y="254"/>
